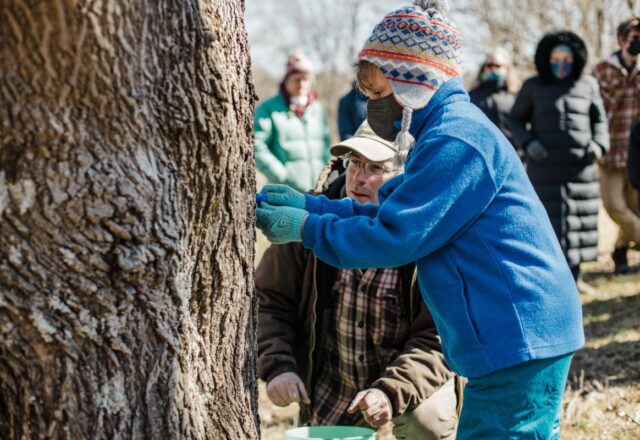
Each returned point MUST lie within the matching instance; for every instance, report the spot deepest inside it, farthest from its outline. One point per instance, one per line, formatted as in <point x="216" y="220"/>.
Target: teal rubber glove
<point x="280" y="224"/>
<point x="282" y="195"/>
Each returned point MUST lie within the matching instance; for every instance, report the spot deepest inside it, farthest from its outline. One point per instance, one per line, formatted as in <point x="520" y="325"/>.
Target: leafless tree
<point x="332" y="31"/>
<point x="329" y="31"/>
<point x="126" y="221"/>
<point x="519" y="24"/>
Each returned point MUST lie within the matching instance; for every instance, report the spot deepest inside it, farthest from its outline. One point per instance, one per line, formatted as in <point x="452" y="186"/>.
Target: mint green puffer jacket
<point x="290" y="149"/>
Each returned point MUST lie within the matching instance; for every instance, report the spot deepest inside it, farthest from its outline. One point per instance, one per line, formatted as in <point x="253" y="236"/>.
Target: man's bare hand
<point x="375" y="407"/>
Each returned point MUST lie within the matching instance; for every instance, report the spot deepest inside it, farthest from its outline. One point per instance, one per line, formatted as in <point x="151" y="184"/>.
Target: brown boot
<point x="619" y="256"/>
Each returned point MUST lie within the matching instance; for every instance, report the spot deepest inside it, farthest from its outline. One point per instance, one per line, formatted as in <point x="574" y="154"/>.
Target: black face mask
<point x="381" y="114"/>
<point x="634" y="47"/>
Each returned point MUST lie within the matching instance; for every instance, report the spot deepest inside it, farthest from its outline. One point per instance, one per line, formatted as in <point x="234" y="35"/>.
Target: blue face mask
<point x="561" y="69"/>
<point x="494" y="76"/>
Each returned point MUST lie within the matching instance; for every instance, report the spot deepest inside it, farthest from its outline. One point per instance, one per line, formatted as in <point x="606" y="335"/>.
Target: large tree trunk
<point x="126" y="220"/>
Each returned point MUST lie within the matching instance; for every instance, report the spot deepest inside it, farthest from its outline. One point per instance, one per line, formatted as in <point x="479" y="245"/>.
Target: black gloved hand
<point x="594" y="151"/>
<point x="536" y="151"/>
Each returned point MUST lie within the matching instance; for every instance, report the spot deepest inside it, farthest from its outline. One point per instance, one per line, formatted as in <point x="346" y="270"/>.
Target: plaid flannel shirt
<point x="620" y="90"/>
<point x="369" y="329"/>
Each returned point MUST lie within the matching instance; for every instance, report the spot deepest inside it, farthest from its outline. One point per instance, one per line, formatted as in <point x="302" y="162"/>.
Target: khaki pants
<point x="434" y="419"/>
<point x="620" y="200"/>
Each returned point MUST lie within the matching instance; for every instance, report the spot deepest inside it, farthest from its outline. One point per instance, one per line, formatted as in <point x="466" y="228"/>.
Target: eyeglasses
<point x="492" y="66"/>
<point x="370" y="169"/>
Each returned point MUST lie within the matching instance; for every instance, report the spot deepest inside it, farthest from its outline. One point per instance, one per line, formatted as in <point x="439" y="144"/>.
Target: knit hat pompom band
<point x="448" y="68"/>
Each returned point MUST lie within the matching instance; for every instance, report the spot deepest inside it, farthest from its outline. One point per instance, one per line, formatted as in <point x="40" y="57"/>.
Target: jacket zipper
<point x="312" y="343"/>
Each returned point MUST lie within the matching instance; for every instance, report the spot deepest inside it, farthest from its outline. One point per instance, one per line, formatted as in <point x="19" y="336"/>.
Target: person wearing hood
<point x="489" y="266"/>
<point x="291" y="133"/>
<point x="496" y="90"/>
<point x="559" y="120"/>
<point x="619" y="79"/>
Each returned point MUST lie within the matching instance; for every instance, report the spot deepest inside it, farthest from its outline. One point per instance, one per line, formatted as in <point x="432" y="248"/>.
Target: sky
<point x="273" y="33"/>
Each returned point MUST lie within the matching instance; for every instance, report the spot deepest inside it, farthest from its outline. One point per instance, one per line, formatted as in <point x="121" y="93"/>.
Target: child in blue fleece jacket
<point x="489" y="265"/>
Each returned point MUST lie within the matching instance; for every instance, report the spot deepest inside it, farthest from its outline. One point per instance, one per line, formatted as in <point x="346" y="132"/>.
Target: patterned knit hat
<point x="418" y="48"/>
<point x="298" y="62"/>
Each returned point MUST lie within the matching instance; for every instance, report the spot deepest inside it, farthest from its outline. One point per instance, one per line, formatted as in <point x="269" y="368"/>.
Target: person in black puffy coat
<point x="559" y="120"/>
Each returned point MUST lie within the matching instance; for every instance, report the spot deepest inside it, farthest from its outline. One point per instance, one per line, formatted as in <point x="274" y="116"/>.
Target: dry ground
<point x="602" y="400"/>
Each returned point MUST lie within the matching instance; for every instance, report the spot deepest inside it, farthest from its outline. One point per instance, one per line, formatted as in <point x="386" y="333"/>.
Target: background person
<point x="291" y="130"/>
<point x="496" y="90"/>
<point x="559" y="120"/>
<point x="352" y="112"/>
<point x="619" y="80"/>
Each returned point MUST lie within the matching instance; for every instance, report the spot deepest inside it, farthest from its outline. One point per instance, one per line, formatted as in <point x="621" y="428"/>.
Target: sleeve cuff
<point x="526" y="143"/>
<point x="379" y="386"/>
<point x="277" y="371"/>
<point x="308" y="230"/>
<point x="312" y="204"/>
<point x="598" y="150"/>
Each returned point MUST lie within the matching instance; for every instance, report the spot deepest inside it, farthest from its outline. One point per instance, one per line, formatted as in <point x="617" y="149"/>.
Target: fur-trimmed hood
<point x="551" y="40"/>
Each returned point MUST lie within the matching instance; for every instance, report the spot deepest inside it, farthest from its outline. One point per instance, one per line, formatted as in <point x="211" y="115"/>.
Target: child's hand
<point x="280" y="224"/>
<point x="282" y="195"/>
<point x="537" y="151"/>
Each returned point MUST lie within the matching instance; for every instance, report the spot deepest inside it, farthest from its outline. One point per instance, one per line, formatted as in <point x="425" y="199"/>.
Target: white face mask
<point x="300" y="100"/>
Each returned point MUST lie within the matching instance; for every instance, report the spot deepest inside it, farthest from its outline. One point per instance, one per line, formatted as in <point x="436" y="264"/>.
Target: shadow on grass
<point x="622" y="313"/>
<point x="612" y="355"/>
<point x="616" y="363"/>
<point x="604" y="276"/>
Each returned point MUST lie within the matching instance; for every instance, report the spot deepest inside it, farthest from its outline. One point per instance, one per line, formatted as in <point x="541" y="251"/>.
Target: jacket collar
<point x="448" y="93"/>
<point x="298" y="110"/>
<point x="614" y="60"/>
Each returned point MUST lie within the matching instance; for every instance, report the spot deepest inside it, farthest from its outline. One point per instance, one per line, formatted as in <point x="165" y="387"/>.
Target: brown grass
<point x="602" y="400"/>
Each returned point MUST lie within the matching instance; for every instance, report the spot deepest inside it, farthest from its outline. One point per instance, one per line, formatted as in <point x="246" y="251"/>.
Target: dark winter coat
<point x="495" y="101"/>
<point x="352" y="111"/>
<point x="568" y="118"/>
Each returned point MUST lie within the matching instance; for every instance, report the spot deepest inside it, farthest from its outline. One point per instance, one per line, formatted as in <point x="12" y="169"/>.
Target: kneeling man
<point x="353" y="346"/>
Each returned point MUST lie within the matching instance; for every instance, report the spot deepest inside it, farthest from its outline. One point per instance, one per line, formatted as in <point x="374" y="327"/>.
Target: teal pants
<point x="520" y="402"/>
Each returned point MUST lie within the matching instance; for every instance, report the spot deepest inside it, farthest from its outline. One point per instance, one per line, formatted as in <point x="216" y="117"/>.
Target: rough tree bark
<point x="126" y="220"/>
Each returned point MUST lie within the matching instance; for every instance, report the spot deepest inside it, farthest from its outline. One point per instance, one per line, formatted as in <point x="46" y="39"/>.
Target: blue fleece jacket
<point x="489" y="265"/>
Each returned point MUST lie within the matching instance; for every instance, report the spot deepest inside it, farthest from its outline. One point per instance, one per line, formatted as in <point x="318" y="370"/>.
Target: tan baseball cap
<point x="366" y="143"/>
